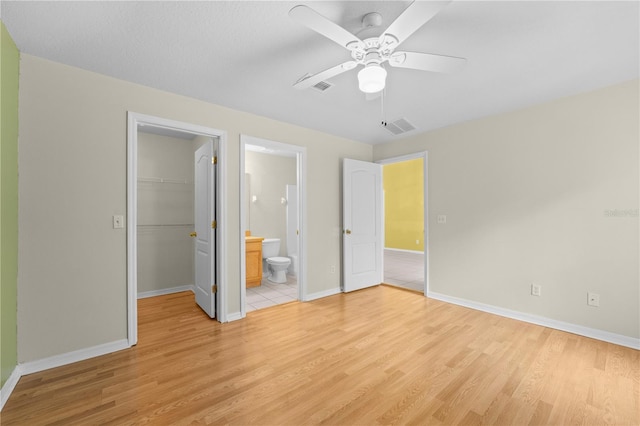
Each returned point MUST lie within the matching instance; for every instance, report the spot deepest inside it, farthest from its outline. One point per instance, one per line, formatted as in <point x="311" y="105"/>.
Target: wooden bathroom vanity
<point x="253" y="257"/>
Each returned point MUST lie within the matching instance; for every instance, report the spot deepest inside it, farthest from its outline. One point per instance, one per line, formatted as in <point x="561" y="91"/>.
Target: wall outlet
<point x="118" y="221"/>
<point x="536" y="289"/>
<point x="417" y="242"/>
<point x="593" y="299"/>
<point x="442" y="218"/>
<point x="332" y="269"/>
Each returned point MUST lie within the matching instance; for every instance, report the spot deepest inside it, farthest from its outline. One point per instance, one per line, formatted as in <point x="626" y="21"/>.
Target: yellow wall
<point x="404" y="205"/>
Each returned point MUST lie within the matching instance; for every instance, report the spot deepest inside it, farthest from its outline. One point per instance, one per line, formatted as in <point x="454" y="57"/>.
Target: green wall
<point x="404" y="205"/>
<point x="9" y="75"/>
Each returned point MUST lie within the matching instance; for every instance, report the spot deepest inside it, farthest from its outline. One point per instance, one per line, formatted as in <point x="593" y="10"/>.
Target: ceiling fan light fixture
<point x="371" y="78"/>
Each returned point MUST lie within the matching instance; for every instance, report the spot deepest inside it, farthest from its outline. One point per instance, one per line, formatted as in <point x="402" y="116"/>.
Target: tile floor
<point x="404" y="269"/>
<point x="271" y="294"/>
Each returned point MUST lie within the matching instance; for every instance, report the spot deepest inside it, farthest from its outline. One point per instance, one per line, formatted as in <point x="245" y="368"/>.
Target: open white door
<point x="363" y="226"/>
<point x="205" y="248"/>
<point x="292" y="227"/>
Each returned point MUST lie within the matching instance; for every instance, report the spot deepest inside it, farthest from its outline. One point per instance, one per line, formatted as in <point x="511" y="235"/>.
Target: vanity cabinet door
<point x="254" y="263"/>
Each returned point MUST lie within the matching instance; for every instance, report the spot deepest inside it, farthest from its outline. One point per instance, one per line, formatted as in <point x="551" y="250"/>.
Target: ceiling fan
<point x="375" y="51"/>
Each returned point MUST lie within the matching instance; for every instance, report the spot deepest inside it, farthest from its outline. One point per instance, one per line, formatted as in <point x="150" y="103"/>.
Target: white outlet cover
<point x="118" y="222"/>
<point x="536" y="290"/>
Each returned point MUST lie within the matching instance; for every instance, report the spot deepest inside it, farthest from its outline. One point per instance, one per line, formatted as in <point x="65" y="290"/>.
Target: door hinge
<point x="214" y="224"/>
<point x="214" y="160"/>
<point x="214" y="288"/>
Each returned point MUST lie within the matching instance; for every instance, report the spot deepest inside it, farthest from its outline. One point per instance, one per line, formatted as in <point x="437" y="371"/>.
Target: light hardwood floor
<point x="376" y="356"/>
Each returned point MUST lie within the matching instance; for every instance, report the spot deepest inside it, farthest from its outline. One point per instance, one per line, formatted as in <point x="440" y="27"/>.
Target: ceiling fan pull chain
<point x="383" y="118"/>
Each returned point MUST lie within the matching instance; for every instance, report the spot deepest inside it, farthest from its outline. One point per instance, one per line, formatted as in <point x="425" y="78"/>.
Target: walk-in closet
<point x="165" y="210"/>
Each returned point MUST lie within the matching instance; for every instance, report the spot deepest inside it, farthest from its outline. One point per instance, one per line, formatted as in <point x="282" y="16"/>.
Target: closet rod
<point x="164" y="180"/>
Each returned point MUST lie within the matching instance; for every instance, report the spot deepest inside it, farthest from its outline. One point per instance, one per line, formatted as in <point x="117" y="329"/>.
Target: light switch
<point x="118" y="221"/>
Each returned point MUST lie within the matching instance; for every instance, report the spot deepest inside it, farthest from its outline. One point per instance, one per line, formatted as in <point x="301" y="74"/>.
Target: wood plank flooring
<point x="379" y="356"/>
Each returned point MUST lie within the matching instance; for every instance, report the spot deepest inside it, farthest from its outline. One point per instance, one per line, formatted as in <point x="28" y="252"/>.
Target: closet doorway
<point x="272" y="207"/>
<point x="175" y="195"/>
<point x="406" y="242"/>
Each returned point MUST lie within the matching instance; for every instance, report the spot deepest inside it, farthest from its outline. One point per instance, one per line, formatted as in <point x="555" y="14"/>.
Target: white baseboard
<point x="164" y="291"/>
<point x="404" y="251"/>
<point x="593" y="333"/>
<point x="235" y="316"/>
<point x="57" y="361"/>
<point x="321" y="294"/>
<point x="8" y="386"/>
<point x="71" y="357"/>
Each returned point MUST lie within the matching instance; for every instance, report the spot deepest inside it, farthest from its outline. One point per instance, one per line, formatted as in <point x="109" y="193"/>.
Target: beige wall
<point x="165" y="212"/>
<point x="526" y="196"/>
<point x="72" y="264"/>
<point x="269" y="175"/>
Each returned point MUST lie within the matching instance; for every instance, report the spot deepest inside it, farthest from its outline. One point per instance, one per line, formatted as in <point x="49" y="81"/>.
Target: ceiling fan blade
<point x="312" y="19"/>
<point x="312" y="80"/>
<point x="413" y="17"/>
<point x="426" y="62"/>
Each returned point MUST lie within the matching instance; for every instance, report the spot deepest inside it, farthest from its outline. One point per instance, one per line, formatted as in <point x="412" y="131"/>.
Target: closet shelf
<point x="164" y="225"/>
<point x="164" y="180"/>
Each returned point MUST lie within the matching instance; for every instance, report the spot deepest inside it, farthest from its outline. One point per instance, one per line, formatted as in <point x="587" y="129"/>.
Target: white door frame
<point x="134" y="120"/>
<point x="301" y="168"/>
<point x="425" y="167"/>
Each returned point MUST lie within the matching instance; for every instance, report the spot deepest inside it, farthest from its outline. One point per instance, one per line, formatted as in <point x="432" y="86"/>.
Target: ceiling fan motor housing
<point x="375" y="49"/>
<point x="372" y="57"/>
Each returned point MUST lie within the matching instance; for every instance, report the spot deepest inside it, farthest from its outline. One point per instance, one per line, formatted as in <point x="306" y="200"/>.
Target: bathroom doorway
<point x="272" y="216"/>
<point x="169" y="195"/>
<point x="405" y="256"/>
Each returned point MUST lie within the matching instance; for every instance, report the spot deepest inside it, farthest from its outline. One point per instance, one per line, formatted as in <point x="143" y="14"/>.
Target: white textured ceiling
<point x="246" y="55"/>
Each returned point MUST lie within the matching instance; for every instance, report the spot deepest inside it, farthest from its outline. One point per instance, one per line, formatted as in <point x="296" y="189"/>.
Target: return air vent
<point x="398" y="127"/>
<point x="322" y="86"/>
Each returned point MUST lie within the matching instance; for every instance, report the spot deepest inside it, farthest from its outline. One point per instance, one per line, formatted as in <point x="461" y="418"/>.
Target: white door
<point x="205" y="247"/>
<point x="363" y="226"/>
<point x="292" y="227"/>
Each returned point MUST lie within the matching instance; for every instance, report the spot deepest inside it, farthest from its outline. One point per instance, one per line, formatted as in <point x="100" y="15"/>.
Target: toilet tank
<point x="270" y="247"/>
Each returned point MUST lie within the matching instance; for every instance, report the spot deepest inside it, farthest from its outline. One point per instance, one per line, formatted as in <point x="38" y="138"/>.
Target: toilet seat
<point x="278" y="260"/>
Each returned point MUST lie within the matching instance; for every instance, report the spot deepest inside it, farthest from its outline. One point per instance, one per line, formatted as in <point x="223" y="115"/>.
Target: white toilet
<point x="277" y="266"/>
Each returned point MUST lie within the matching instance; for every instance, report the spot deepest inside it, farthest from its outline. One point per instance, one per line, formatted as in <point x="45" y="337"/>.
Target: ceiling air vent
<point x="399" y="126"/>
<point x="322" y="86"/>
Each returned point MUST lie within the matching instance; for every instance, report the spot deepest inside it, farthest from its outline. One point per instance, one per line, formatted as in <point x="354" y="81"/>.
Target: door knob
<point x="193" y="234"/>
<point x="348" y="232"/>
